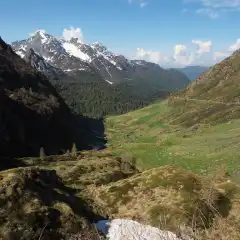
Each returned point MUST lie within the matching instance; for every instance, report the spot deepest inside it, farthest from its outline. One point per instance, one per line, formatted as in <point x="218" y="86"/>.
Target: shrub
<point x="74" y="150"/>
<point x="42" y="153"/>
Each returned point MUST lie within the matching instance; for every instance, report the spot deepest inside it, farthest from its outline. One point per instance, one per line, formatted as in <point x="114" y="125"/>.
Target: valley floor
<point x="148" y="135"/>
<point x="154" y="172"/>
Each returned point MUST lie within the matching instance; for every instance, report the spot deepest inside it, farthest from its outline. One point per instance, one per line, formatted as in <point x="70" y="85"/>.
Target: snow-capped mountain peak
<point x="58" y="52"/>
<point x="98" y="47"/>
<point x="40" y="35"/>
<point x="72" y="55"/>
<point x="75" y="41"/>
<point x="73" y="47"/>
<point x="97" y="44"/>
<point x="39" y="31"/>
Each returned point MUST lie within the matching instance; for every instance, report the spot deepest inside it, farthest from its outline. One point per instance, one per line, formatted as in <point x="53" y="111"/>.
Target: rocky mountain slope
<point x="76" y="58"/>
<point x="33" y="115"/>
<point x="41" y="65"/>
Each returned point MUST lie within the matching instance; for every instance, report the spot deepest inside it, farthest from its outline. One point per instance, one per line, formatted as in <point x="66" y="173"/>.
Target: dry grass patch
<point x="33" y="199"/>
<point x="177" y="196"/>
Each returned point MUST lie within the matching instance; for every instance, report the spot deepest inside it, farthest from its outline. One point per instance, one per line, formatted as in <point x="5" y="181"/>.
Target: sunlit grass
<point x="148" y="136"/>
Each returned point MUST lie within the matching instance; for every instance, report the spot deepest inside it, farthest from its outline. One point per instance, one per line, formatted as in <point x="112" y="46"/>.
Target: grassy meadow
<point x="149" y="135"/>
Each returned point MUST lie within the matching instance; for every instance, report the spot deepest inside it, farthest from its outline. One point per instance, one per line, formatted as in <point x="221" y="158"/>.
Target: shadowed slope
<point x="32" y="114"/>
<point x="34" y="203"/>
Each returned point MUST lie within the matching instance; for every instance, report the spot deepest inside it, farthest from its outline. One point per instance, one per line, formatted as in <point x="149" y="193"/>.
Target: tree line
<point x="98" y="99"/>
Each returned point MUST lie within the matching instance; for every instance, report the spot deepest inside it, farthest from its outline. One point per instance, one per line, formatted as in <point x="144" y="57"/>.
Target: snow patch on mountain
<point x="44" y="38"/>
<point x="75" y="69"/>
<point x="20" y="53"/>
<point x="139" y="62"/>
<point x="40" y="31"/>
<point x="95" y="44"/>
<point x="98" y="46"/>
<point x="48" y="59"/>
<point x="119" y="68"/>
<point x="76" y="52"/>
<point x="109" y="81"/>
<point x="109" y="59"/>
<point x="24" y="47"/>
<point x="99" y="54"/>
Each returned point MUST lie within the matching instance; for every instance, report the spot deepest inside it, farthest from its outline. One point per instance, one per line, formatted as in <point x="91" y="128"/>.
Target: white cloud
<point x="214" y="8"/>
<point x="179" y="49"/>
<point x="181" y="56"/>
<point x="203" y="47"/>
<point x="39" y="30"/>
<point x="142" y="3"/>
<point x="184" y="10"/>
<point x="69" y="33"/>
<point x="197" y="52"/>
<point x="235" y="46"/>
<point x="208" y="12"/>
<point x="221" y="3"/>
<point x="148" y="55"/>
<point x="218" y="56"/>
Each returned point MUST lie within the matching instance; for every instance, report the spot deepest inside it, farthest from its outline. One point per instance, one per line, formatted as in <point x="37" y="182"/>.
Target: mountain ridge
<point x="94" y="81"/>
<point x="74" y="57"/>
<point x="192" y="72"/>
<point x="219" y="86"/>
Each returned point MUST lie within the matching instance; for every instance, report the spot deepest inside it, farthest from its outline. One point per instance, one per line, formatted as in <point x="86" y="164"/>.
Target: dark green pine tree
<point x="74" y="150"/>
<point x="42" y="153"/>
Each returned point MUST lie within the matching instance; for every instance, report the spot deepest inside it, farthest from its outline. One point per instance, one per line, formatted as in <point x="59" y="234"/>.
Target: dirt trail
<point x="207" y="101"/>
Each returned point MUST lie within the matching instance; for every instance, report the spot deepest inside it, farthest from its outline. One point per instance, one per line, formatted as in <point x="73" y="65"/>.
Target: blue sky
<point x="169" y="32"/>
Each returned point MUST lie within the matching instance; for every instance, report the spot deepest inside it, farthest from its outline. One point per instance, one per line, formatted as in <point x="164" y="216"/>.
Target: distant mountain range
<point x="93" y="80"/>
<point x="78" y="60"/>
<point x="192" y="72"/>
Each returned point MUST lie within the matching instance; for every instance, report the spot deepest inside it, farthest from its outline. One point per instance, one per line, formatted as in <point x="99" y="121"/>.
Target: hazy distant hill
<point x="192" y="72"/>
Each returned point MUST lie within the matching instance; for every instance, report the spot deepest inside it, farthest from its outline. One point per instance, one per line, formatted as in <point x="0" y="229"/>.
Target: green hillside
<point x="155" y="139"/>
<point x="197" y="128"/>
<point x="213" y="98"/>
